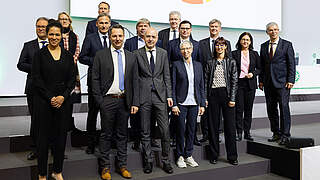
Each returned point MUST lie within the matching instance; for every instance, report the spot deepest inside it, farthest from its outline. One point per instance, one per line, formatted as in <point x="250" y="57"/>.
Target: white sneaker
<point x="191" y="162"/>
<point x="181" y="163"/>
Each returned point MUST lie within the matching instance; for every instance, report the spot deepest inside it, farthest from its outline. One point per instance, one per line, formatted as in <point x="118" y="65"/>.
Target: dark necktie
<point x="174" y="34"/>
<point x="212" y="47"/>
<point x="151" y="61"/>
<point x="271" y="51"/>
<point x="105" y="41"/>
<point x="120" y="70"/>
<point x="43" y="43"/>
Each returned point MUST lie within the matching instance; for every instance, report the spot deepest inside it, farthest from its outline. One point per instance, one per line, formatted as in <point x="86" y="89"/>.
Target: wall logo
<point x="297" y="76"/>
<point x="196" y="1"/>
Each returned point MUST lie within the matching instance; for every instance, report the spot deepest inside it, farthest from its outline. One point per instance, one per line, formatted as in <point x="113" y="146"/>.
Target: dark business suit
<point x="91" y="45"/>
<point x="151" y="92"/>
<point x="180" y="89"/>
<point x="131" y="44"/>
<point x="246" y="91"/>
<point x="92" y="26"/>
<point x="25" y="64"/>
<point x="164" y="37"/>
<point x="205" y="53"/>
<point x="275" y="73"/>
<point x="114" y="111"/>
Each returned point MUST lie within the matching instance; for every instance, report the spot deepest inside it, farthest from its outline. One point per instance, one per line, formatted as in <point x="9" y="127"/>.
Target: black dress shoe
<point x="136" y="146"/>
<point x="204" y="139"/>
<point x="239" y="137"/>
<point x="167" y="168"/>
<point x="213" y="161"/>
<point x="248" y="137"/>
<point x="32" y="156"/>
<point x="147" y="168"/>
<point x="196" y="142"/>
<point x="284" y="140"/>
<point x="173" y="143"/>
<point x="274" y="138"/>
<point x="90" y="150"/>
<point x="155" y="144"/>
<point x="233" y="162"/>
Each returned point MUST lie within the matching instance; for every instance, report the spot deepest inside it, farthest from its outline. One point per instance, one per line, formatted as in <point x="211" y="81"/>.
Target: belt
<point x="118" y="96"/>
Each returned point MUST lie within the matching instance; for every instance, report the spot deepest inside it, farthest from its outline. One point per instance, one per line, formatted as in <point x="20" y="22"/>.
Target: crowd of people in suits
<point x="163" y="80"/>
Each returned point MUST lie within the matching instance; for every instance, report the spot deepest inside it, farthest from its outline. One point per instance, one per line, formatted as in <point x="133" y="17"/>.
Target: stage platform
<point x="258" y="160"/>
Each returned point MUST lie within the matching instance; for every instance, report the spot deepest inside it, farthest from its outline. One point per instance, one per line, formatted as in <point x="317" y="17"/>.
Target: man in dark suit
<point x="153" y="88"/>
<point x="206" y="50"/>
<point x="113" y="91"/>
<point x="103" y="7"/>
<point x="131" y="45"/>
<point x="25" y="65"/>
<point x="91" y="44"/>
<point x="185" y="29"/>
<point x="171" y="33"/>
<point x="277" y="77"/>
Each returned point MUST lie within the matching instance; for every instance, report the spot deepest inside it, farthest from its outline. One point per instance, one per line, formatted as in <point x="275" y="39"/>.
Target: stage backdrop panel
<point x="309" y="163"/>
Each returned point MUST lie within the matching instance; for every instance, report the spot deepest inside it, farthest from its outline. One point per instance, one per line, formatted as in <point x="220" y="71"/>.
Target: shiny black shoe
<point x="213" y="161"/>
<point x="233" y="162"/>
<point x="239" y="137"/>
<point x="167" y="168"/>
<point x="148" y="168"/>
<point x="284" y="140"/>
<point x="90" y="150"/>
<point x="274" y="138"/>
<point x="204" y="139"/>
<point x="173" y="143"/>
<point x="196" y="142"/>
<point x="248" y="137"/>
<point x="32" y="156"/>
<point x="154" y="143"/>
<point x="136" y="146"/>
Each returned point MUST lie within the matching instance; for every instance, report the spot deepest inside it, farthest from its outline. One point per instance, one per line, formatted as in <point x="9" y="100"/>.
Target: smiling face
<point x="117" y="37"/>
<point x="151" y="38"/>
<point x="64" y="20"/>
<point x="103" y="24"/>
<point x="214" y="29"/>
<point x="54" y="36"/>
<point x="273" y="32"/>
<point x="41" y="29"/>
<point x="185" y="30"/>
<point x="174" y="21"/>
<point x="186" y="50"/>
<point x="245" y="42"/>
<point x="220" y="49"/>
<point x="142" y="28"/>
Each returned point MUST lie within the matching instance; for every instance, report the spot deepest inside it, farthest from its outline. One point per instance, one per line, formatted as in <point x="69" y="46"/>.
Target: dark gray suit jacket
<point x="143" y="77"/>
<point x="103" y="75"/>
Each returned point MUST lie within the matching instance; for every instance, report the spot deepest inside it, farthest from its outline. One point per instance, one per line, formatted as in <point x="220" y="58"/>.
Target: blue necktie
<point x="120" y="70"/>
<point x="43" y="43"/>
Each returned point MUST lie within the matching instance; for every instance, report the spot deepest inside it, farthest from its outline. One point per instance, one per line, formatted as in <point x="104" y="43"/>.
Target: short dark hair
<point x="41" y="18"/>
<point x="103" y="2"/>
<point x="238" y="45"/>
<point x="115" y="26"/>
<point x="53" y="23"/>
<point x="185" y="22"/>
<point x="220" y="40"/>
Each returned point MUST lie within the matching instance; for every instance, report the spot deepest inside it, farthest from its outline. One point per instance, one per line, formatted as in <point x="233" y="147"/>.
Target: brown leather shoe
<point x="124" y="173"/>
<point x="105" y="175"/>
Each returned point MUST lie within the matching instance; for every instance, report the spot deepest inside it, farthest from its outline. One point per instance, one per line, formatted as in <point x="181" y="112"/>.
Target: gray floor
<point x="266" y="177"/>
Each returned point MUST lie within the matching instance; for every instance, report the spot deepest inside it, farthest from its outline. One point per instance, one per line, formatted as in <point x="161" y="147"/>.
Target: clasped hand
<point x="57" y="101"/>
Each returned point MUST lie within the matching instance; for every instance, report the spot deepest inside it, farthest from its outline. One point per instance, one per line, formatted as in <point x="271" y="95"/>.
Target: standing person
<point x="91" y="44"/>
<point x="70" y="42"/>
<point x="152" y="88"/>
<point x="188" y="95"/>
<point x="221" y="88"/>
<point x="53" y="75"/>
<point x="172" y="32"/>
<point x="25" y="64"/>
<point x="103" y="7"/>
<point x="277" y="77"/>
<point x="113" y="90"/>
<point x="206" y="48"/>
<point x="248" y="67"/>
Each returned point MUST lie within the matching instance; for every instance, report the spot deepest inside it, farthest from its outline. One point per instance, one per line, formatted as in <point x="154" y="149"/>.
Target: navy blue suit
<point x="174" y="50"/>
<point x="91" y="45"/>
<point x="180" y="87"/>
<point x="131" y="44"/>
<point x="275" y="73"/>
<point x="92" y="27"/>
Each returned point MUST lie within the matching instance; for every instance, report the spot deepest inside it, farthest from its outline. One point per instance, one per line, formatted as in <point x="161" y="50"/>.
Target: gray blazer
<point x="143" y="77"/>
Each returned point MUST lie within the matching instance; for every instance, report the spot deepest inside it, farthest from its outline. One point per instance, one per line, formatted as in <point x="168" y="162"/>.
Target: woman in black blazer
<point x="53" y="75"/>
<point x="248" y="66"/>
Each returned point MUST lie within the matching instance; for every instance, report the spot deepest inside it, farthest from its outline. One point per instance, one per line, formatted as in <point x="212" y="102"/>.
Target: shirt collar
<point x="153" y="49"/>
<point x="276" y="42"/>
<point x="171" y="30"/>
<point x="101" y="35"/>
<point x="39" y="40"/>
<point x="114" y="49"/>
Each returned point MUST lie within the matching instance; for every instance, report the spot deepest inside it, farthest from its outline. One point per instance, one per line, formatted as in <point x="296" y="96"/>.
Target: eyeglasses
<point x="64" y="19"/>
<point x="187" y="48"/>
<point x="185" y="29"/>
<point x="219" y="45"/>
<point x="245" y="39"/>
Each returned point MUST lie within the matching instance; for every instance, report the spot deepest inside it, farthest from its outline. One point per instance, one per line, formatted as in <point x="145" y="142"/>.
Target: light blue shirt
<point x="190" y="100"/>
<point x="141" y="42"/>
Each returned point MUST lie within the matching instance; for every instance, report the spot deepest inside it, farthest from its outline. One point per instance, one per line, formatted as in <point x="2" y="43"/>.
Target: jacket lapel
<point x="145" y="59"/>
<point x="278" y="49"/>
<point x="158" y="59"/>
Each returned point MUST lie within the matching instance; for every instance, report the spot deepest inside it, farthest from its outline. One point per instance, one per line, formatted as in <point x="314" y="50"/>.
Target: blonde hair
<point x="68" y="18"/>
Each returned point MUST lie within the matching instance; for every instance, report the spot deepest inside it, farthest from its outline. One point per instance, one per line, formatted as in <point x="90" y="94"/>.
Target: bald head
<point x="151" y="37"/>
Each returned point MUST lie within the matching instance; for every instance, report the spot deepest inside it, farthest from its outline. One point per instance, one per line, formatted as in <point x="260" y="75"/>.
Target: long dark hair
<point x="238" y="45"/>
<point x="220" y="40"/>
